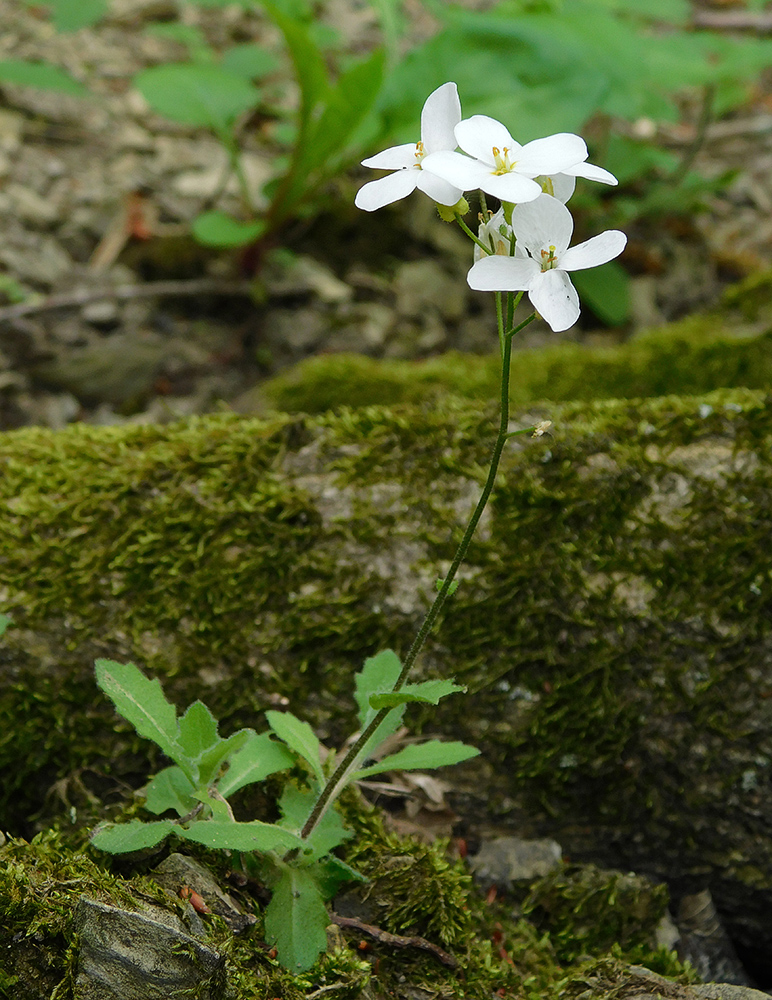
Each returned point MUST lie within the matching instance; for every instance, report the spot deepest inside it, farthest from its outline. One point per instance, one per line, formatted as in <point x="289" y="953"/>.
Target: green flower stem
<point x="471" y="235"/>
<point x="349" y="762"/>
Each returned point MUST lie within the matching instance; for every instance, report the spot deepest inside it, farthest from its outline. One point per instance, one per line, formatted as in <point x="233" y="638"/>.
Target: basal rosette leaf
<point x="197" y="730"/>
<point x="119" y="838"/>
<point x="295" y="806"/>
<point x="254" y="836"/>
<point x="296" y="919"/>
<point x="142" y="703"/>
<point x="170" y="789"/>
<point x="212" y="759"/>
<point x="258" y="757"/>
<point x="300" y="737"/>
<point x="42" y="75"/>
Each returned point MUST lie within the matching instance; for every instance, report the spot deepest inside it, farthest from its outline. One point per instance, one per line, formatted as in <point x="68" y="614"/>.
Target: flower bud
<point x="448" y="213"/>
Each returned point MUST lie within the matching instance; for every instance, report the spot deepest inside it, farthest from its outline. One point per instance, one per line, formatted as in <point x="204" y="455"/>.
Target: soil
<point x="98" y="194"/>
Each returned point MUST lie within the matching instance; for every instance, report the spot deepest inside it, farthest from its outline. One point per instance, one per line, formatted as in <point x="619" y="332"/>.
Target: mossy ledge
<point x="728" y="347"/>
<point x="613" y="621"/>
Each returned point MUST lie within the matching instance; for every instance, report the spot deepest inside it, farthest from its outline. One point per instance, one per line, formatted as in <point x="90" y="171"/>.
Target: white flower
<point x="499" y="165"/>
<point x="562" y="185"/>
<point x="440" y="114"/>
<point x="543" y="259"/>
<point x="495" y="234"/>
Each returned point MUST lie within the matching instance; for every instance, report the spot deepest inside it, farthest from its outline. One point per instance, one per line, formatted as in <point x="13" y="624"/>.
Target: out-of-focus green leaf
<point x="189" y="35"/>
<point x="218" y="229"/>
<point x="196" y="94"/>
<point x="70" y="15"/>
<point x="606" y="290"/>
<point x="249" y="61"/>
<point x="40" y="74"/>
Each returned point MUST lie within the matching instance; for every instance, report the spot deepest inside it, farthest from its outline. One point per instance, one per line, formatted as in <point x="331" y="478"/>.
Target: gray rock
<point x="142" y="956"/>
<point x="507" y="860"/>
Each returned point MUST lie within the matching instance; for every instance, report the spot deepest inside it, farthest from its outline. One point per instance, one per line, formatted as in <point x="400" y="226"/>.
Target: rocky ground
<point x="97" y="196"/>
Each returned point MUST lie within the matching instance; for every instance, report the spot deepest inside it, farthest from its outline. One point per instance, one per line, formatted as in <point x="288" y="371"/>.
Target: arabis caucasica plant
<point x="524" y="247"/>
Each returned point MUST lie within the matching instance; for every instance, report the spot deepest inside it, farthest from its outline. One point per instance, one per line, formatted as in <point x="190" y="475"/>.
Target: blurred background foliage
<point x="612" y="70"/>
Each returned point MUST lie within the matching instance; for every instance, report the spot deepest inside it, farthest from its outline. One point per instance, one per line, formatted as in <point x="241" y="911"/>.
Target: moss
<point x="616" y="600"/>
<point x="692" y="356"/>
<point x="587" y="910"/>
<point x="497" y="949"/>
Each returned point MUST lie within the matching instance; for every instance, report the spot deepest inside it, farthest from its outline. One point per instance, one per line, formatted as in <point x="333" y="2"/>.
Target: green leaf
<point x="296" y="920"/>
<point x="258" y="758"/>
<point x="347" y="103"/>
<point x="427" y="691"/>
<point x="307" y="59"/>
<point x="70" y="15"/>
<point x="378" y="675"/>
<point x="218" y="229"/>
<point x="331" y="873"/>
<point x="189" y="35"/>
<point x="211" y="760"/>
<point x="300" y="737"/>
<point x="249" y="61"/>
<point x="254" y="836"/>
<point x="170" y="789"/>
<point x="295" y="806"/>
<point x="142" y="703"/>
<point x="440" y="583"/>
<point x="119" y="838"/>
<point x="606" y="290"/>
<point x="420" y="756"/>
<point x="197" y="730"/>
<point x="196" y="94"/>
<point x="5" y="621"/>
<point x="42" y="75"/>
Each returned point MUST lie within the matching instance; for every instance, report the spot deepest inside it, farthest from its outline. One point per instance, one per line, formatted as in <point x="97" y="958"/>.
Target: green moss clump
<point x="587" y="910"/>
<point x="692" y="356"/>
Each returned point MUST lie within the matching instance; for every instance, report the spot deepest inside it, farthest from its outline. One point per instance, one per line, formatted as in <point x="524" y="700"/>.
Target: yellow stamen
<point x="549" y="260"/>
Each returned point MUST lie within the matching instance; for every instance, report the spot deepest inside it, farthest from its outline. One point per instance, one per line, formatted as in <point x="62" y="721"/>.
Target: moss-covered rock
<point x="612" y="622"/>
<point x="730" y="347"/>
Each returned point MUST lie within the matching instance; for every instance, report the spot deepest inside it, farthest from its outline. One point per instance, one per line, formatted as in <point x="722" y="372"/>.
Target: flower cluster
<point x="529" y="237"/>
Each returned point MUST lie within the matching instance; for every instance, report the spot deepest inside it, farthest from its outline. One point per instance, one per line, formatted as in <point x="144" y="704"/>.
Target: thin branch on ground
<point x="394" y="940"/>
<point x="73" y="300"/>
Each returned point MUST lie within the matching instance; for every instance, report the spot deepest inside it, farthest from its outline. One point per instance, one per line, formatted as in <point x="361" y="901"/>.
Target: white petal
<point x="502" y="274"/>
<point x="591" y="173"/>
<point x="554" y="297"/>
<point x="563" y="185"/>
<point x="394" y="158"/>
<point x="441" y="113"/>
<point x="543" y="223"/>
<point x="511" y="187"/>
<point x="479" y="134"/>
<point x="552" y="154"/>
<point x="455" y="168"/>
<point x="591" y="253"/>
<point x="385" y="190"/>
<point x="438" y="189"/>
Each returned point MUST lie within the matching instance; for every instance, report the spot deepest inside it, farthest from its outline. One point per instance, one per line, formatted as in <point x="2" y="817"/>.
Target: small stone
<point x="507" y="860"/>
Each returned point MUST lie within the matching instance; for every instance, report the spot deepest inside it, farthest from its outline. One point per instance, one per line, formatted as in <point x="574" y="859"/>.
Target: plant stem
<point x="344" y="768"/>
